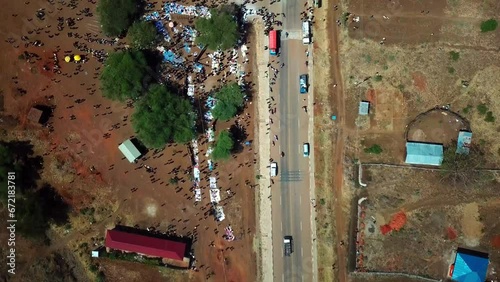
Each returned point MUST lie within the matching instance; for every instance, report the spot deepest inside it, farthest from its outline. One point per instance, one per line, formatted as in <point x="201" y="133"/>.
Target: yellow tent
<point x="67" y="59"/>
<point x="77" y="58"/>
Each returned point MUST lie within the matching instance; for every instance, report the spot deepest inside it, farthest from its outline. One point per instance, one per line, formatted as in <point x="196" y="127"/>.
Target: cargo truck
<point x="288" y="245"/>
<point x="306" y="32"/>
<point x="273" y="42"/>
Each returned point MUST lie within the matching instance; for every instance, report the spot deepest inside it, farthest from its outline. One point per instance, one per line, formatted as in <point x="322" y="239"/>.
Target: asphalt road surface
<point x="291" y="204"/>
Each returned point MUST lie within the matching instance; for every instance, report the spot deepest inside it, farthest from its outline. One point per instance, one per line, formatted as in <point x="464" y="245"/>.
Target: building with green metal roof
<point x="129" y="150"/>
<point x="418" y="153"/>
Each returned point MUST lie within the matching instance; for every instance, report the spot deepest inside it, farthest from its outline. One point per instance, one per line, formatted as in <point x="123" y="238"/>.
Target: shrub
<point x="489" y="117"/>
<point x="377" y="78"/>
<point x="454" y="55"/>
<point x="482" y="109"/>
<point x="451" y="70"/>
<point x="223" y="146"/>
<point x="467" y="109"/>
<point x="489" y="25"/>
<point x="374" y="149"/>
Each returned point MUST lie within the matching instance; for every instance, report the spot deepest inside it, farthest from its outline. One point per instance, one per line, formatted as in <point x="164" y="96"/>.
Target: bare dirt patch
<point x="437" y="126"/>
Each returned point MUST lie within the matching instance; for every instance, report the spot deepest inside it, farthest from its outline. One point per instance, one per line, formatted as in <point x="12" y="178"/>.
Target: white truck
<point x="306" y="32"/>
<point x="288" y="245"/>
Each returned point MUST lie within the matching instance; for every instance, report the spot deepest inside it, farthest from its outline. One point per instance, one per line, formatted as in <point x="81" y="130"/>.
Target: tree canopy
<point x="229" y="101"/>
<point x="162" y="117"/>
<point x="219" y="31"/>
<point x="126" y="75"/>
<point x="143" y="34"/>
<point x="223" y="146"/>
<point x="116" y="16"/>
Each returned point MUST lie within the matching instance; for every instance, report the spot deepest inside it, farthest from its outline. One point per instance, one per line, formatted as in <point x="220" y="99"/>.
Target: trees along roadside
<point x="126" y="75"/>
<point x="220" y="31"/>
<point x="162" y="117"/>
<point x="223" y="146"/>
<point x="116" y="16"/>
<point x="229" y="99"/>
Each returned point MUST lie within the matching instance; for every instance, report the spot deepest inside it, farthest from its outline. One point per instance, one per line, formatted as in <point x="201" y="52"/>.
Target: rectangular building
<point x="418" y="153"/>
<point x="129" y="150"/>
<point x="463" y="142"/>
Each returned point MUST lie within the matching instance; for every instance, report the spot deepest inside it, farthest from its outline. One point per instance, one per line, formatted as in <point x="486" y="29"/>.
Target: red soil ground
<point x="80" y="142"/>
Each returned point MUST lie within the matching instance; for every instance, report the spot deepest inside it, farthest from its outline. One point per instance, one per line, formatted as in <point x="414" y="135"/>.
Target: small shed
<point x="35" y="115"/>
<point x="95" y="254"/>
<point x="129" y="150"/>
<point x="424" y="153"/>
<point x="463" y="142"/>
<point x="469" y="266"/>
<point x="364" y="108"/>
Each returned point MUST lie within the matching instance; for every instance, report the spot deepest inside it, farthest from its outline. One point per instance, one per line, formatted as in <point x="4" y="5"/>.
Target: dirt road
<point x="337" y="103"/>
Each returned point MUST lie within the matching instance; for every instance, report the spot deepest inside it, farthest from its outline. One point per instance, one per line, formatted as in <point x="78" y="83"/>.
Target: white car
<point x="274" y="169"/>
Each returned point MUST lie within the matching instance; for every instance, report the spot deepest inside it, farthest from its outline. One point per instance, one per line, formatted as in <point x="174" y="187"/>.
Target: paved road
<point x="291" y="199"/>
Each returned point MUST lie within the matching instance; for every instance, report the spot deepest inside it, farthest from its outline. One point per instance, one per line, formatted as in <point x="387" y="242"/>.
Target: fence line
<point x="395" y="274"/>
<point x="423" y="168"/>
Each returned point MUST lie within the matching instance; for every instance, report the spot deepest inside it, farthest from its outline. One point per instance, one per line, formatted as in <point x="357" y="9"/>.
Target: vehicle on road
<point x="306" y="150"/>
<point x="273" y="42"/>
<point x="288" y="245"/>
<point x="274" y="169"/>
<point x="303" y="80"/>
<point x="306" y="32"/>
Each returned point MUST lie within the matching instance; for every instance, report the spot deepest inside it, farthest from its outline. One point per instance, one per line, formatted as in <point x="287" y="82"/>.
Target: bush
<point x="220" y="31"/>
<point x="454" y="55"/>
<point x="223" y="146"/>
<point x="143" y="34"/>
<point x="162" y="117"/>
<point x="229" y="101"/>
<point x="489" y="117"/>
<point x="467" y="109"/>
<point x="374" y="149"/>
<point x="489" y="25"/>
<point x="116" y="16"/>
<point x="377" y="78"/>
<point x="482" y="109"/>
<point x="451" y="70"/>
<point x="126" y="75"/>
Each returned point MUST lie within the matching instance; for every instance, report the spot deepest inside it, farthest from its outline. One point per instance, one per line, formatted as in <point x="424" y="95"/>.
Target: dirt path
<point x="337" y="102"/>
<point x="264" y="234"/>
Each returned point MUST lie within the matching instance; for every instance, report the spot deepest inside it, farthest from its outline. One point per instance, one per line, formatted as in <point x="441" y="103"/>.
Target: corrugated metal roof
<point x="364" y="108"/>
<point x="463" y="142"/>
<point x="151" y="246"/>
<point x="424" y="153"/>
<point x="470" y="268"/>
<point x="129" y="150"/>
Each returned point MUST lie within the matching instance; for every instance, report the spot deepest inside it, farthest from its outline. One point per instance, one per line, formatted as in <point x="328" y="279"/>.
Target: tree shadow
<point x="55" y="208"/>
<point x="27" y="165"/>
<point x="239" y="135"/>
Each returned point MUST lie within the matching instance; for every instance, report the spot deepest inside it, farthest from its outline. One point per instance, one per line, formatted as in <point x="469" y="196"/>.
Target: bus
<point x="273" y="42"/>
<point x="306" y="32"/>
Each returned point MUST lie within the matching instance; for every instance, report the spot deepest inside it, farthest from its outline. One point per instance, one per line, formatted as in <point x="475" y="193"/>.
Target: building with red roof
<point x="146" y="245"/>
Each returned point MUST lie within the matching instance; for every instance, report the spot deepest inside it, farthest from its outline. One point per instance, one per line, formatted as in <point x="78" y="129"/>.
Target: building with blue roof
<point x="364" y="108"/>
<point x="424" y="153"/>
<point x="463" y="142"/>
<point x="470" y="266"/>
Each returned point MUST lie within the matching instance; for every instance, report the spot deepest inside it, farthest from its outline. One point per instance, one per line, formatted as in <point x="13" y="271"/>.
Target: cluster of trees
<point x="119" y="17"/>
<point x="220" y="31"/>
<point x="35" y="207"/>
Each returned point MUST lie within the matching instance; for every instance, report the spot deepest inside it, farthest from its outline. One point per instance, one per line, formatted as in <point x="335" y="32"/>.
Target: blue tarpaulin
<point x="172" y="58"/>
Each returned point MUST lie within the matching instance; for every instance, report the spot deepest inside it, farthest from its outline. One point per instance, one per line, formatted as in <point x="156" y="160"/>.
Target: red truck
<point x="273" y="42"/>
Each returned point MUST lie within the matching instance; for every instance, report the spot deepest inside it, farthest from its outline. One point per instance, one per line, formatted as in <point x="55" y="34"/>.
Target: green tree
<point x="223" y="146"/>
<point x="229" y="100"/>
<point x="143" y="34"/>
<point x="489" y="25"/>
<point x="220" y="31"/>
<point x="162" y="117"/>
<point x="126" y="75"/>
<point x="116" y="16"/>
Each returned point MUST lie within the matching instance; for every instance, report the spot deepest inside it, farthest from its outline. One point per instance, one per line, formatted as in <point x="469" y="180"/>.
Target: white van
<point x="306" y="149"/>
<point x="274" y="169"/>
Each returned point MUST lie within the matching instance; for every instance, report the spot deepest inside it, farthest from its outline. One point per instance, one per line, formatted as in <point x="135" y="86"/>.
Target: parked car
<point x="288" y="245"/>
<point x="274" y="169"/>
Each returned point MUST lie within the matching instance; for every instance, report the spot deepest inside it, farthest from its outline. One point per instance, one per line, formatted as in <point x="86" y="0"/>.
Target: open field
<point x="419" y="66"/>
<point x="406" y="58"/>
<point x="439" y="218"/>
<point x="106" y="197"/>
